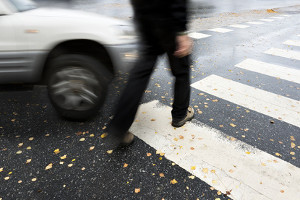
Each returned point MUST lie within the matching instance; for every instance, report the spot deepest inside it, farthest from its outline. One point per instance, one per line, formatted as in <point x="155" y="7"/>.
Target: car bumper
<point x="123" y="56"/>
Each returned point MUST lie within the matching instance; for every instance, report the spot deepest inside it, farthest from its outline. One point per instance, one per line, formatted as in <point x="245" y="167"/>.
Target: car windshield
<point x="23" y="5"/>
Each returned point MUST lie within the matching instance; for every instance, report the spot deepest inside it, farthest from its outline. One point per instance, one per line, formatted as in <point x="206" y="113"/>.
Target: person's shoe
<point x="128" y="139"/>
<point x="189" y="116"/>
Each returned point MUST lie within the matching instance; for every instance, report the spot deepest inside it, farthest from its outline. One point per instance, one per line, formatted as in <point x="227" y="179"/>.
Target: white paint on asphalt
<point x="255" y="23"/>
<point x="196" y="35"/>
<point x="277" y="17"/>
<point x="293" y="42"/>
<point x="239" y="26"/>
<point x="284" y="53"/>
<point x="271" y="70"/>
<point x="222" y="162"/>
<point x="286" y="15"/>
<point x="267" y="20"/>
<point x="267" y="103"/>
<point x="220" y="30"/>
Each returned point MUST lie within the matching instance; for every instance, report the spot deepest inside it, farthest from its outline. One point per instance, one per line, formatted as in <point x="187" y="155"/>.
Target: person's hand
<point x="184" y="46"/>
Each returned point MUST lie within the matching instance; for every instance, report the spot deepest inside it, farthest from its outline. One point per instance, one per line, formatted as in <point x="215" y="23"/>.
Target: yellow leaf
<point x="91" y="148"/>
<point x="21" y="144"/>
<point x="48" y="166"/>
<point x="73" y="160"/>
<point x="56" y="151"/>
<point x="219" y="192"/>
<point x="205" y="170"/>
<point x="28" y="148"/>
<point x="103" y="135"/>
<point x="213" y="171"/>
<point x="292" y="138"/>
<point x="233" y="125"/>
<point x="109" y="151"/>
<point x="125" y="165"/>
<point x="18" y="152"/>
<point x="149" y="154"/>
<point x="277" y="154"/>
<point x="63" y="157"/>
<point x="214" y="181"/>
<point x="248" y="152"/>
<point x="161" y="175"/>
<point x="70" y="165"/>
<point x="83" y="168"/>
<point x="173" y="181"/>
<point x="176" y="139"/>
<point x="292" y="153"/>
<point x="34" y="179"/>
<point x="192" y="177"/>
<point x="28" y="161"/>
<point x="1" y="169"/>
<point x="137" y="190"/>
<point x="6" y="178"/>
<point x="82" y="139"/>
<point x="31" y="138"/>
<point x="293" y="144"/>
<point x="263" y="164"/>
<point x="193" y="167"/>
<point x="92" y="135"/>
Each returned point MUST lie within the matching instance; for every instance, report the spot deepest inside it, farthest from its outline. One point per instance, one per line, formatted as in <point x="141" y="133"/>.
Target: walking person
<point x="162" y="25"/>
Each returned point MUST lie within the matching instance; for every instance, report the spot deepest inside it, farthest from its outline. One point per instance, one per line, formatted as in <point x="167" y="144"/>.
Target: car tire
<point x="77" y="85"/>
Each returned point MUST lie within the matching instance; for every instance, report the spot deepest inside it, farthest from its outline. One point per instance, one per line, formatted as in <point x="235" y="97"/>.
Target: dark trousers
<point x="156" y="41"/>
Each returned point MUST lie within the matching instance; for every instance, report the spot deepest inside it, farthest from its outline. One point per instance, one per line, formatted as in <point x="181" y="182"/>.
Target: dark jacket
<point x="171" y="14"/>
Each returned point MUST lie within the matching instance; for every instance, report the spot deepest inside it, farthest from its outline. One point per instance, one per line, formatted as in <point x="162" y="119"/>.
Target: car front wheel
<point x="77" y="85"/>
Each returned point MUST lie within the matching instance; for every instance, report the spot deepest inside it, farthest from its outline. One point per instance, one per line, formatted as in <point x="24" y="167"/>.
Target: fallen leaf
<point x="176" y="139"/>
<point x="31" y="138"/>
<point x="193" y="167"/>
<point x="263" y="164"/>
<point x="56" y="151"/>
<point x="1" y="169"/>
<point x="83" y="168"/>
<point x="282" y="191"/>
<point x="137" y="190"/>
<point x="181" y="137"/>
<point x="34" y="179"/>
<point x="149" y="154"/>
<point x="28" y="148"/>
<point x="192" y="148"/>
<point x="161" y="175"/>
<point x="247" y="152"/>
<point x="109" y="151"/>
<point x="28" y="161"/>
<point x="63" y="157"/>
<point x="292" y="138"/>
<point x="214" y="181"/>
<point x="21" y="144"/>
<point x="205" y="170"/>
<point x="152" y="120"/>
<point x="231" y="171"/>
<point x="293" y="145"/>
<point x="6" y="178"/>
<point x="103" y="135"/>
<point x="91" y="148"/>
<point x="219" y="192"/>
<point x="82" y="139"/>
<point x="173" y="181"/>
<point x="292" y="153"/>
<point x="233" y="125"/>
<point x="70" y="165"/>
<point x="19" y="181"/>
<point x="278" y="154"/>
<point x="192" y="177"/>
<point x="49" y="166"/>
<point x="19" y="152"/>
<point x="125" y="165"/>
<point x="92" y="135"/>
<point x="213" y="171"/>
<point x="79" y="133"/>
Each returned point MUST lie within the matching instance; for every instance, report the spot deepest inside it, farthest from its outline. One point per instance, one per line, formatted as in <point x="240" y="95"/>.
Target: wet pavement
<point x="46" y="157"/>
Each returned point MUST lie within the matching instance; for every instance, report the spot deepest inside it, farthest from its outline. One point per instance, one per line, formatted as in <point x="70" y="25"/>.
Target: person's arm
<point x="180" y="19"/>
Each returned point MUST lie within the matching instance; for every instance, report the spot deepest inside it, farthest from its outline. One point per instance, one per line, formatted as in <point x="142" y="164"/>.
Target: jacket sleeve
<point x="179" y="14"/>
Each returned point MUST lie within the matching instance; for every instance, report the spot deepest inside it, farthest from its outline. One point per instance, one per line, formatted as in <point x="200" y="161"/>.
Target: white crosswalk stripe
<point x="247" y="172"/>
<point x="267" y="20"/>
<point x="271" y="70"/>
<point x="277" y="17"/>
<point x="196" y="35"/>
<point x="293" y="42"/>
<point x="284" y="53"/>
<point x="256" y="23"/>
<point x="239" y="26"/>
<point x="267" y="103"/>
<point x="220" y="30"/>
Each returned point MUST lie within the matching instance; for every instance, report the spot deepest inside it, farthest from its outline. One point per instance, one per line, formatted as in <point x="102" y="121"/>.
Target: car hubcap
<point x="74" y="88"/>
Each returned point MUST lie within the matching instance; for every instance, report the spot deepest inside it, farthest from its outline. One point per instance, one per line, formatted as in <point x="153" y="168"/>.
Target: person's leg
<point x="181" y="70"/>
<point x="131" y="96"/>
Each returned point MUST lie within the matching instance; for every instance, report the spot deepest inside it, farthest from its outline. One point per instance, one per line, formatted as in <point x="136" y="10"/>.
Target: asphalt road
<point x="31" y="132"/>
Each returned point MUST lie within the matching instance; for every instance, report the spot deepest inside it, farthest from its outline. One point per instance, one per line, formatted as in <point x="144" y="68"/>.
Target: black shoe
<point x="127" y="139"/>
<point x="189" y="116"/>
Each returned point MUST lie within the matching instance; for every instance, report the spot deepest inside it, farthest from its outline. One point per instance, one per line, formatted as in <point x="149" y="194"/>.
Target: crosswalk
<point x="231" y="166"/>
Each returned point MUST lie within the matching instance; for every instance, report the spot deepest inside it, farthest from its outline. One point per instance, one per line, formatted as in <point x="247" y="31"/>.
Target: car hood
<point x="75" y="15"/>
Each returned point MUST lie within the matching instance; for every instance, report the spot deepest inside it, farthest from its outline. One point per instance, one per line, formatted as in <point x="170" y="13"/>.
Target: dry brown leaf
<point x="149" y="154"/>
<point x="181" y="137"/>
<point x="161" y="175"/>
<point x="137" y="190"/>
<point x="152" y="120"/>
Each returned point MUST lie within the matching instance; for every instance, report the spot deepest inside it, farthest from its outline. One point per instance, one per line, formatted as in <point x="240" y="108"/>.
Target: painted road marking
<point x="220" y="30"/>
<point x="267" y="20"/>
<point x="196" y="35"/>
<point x="255" y="22"/>
<point x="271" y="70"/>
<point x="226" y="164"/>
<point x="286" y="15"/>
<point x="239" y="26"/>
<point x="292" y="42"/>
<point x="284" y="53"/>
<point x="267" y="103"/>
<point x="277" y="17"/>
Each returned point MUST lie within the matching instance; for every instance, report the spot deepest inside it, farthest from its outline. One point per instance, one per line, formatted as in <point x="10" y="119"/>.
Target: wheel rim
<point x="74" y="88"/>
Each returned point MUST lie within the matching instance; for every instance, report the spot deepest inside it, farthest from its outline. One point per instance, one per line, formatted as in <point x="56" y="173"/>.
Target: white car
<point x="75" y="53"/>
